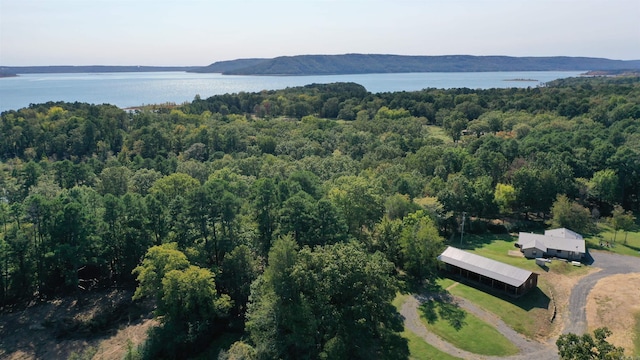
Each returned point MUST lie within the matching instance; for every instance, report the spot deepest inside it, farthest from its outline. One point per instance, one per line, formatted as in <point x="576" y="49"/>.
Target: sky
<point x="200" y="32"/>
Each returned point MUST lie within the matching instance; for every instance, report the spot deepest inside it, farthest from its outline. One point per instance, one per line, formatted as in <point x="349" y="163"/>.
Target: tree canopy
<point x="239" y="207"/>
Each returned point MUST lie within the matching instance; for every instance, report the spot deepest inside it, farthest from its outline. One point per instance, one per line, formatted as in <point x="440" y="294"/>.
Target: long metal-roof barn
<point x="495" y="274"/>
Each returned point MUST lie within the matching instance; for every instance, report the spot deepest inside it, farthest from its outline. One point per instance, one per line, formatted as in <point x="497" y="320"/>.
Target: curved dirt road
<point x="575" y="322"/>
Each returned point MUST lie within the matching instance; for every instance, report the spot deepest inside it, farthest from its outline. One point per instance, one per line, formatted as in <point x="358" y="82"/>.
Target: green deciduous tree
<point x="332" y="302"/>
<point x="604" y="186"/>
<point x="177" y="184"/>
<point x="157" y="262"/>
<point x="240" y="268"/>
<point x="420" y="244"/>
<point x="505" y="197"/>
<point x="359" y="201"/>
<point x="190" y="298"/>
<point x="265" y="194"/>
<point x="621" y="220"/>
<point x="239" y="350"/>
<point x="587" y="347"/>
<point x="571" y="215"/>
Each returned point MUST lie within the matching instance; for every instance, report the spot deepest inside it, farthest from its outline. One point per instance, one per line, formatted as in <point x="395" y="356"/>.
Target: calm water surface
<point x="133" y="89"/>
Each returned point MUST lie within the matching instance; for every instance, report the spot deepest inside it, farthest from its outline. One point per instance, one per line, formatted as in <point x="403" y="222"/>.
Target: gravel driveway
<point x="611" y="264"/>
<point x="576" y="321"/>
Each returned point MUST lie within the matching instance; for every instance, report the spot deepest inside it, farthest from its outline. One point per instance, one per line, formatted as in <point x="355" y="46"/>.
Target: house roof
<point x="563" y="233"/>
<point x="527" y="240"/>
<point x="533" y="243"/>
<point x="484" y="266"/>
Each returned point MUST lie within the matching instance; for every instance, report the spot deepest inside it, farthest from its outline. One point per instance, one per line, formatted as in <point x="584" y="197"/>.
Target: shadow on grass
<point x="544" y="267"/>
<point x="437" y="303"/>
<point x="409" y="285"/>
<point x="432" y="310"/>
<point x="630" y="247"/>
<point x="535" y="298"/>
<point x="531" y="300"/>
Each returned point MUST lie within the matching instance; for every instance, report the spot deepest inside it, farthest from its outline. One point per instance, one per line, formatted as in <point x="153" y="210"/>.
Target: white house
<point x="562" y="243"/>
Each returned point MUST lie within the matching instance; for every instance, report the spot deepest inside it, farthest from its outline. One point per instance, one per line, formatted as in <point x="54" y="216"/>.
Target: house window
<point x="535" y="252"/>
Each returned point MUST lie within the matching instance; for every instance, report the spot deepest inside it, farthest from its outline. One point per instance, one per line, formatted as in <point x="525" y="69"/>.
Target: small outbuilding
<point x="562" y="243"/>
<point x="499" y="276"/>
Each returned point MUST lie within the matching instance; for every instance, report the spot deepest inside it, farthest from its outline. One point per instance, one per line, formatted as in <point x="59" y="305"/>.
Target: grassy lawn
<point x="632" y="246"/>
<point x="470" y="333"/>
<point x="422" y="350"/>
<point x="439" y="133"/>
<point x="520" y="314"/>
<point x="418" y="348"/>
<point x="529" y="314"/>
<point x="496" y="247"/>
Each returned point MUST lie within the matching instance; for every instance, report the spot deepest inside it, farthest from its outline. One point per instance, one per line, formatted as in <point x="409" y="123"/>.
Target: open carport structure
<point x="499" y="276"/>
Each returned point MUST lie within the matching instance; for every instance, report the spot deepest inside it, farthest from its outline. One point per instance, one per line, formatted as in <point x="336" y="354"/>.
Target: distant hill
<point x="358" y="64"/>
<point x="64" y="69"/>
<point x="372" y="63"/>
<point x="229" y="65"/>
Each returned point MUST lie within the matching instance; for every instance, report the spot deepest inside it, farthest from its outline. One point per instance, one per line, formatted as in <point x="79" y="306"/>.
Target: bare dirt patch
<point x="103" y="320"/>
<point x="116" y="346"/>
<point x="613" y="303"/>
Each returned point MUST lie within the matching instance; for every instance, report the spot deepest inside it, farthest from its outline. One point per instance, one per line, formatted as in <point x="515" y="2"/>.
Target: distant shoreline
<point x="533" y="80"/>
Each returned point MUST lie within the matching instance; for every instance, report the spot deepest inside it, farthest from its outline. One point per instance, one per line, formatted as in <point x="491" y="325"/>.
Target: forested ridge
<point x="291" y="218"/>
<point x="358" y="64"/>
<point x="385" y="63"/>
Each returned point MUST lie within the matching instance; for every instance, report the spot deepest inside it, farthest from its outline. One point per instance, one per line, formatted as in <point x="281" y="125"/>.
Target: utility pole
<point x="462" y="228"/>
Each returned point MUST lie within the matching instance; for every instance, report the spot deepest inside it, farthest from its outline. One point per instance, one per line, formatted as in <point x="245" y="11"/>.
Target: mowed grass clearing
<point x="497" y="247"/>
<point x="527" y="315"/>
<point x="418" y="348"/>
<point x="474" y="335"/>
<point x="606" y="235"/>
<point x="438" y="132"/>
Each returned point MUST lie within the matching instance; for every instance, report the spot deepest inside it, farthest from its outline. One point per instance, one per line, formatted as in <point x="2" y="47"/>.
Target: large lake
<point x="134" y="89"/>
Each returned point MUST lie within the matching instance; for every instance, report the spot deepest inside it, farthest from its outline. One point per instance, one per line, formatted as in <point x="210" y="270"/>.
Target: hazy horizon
<point x="200" y="32"/>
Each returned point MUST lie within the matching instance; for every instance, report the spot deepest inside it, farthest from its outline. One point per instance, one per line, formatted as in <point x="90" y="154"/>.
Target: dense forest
<point x="292" y="217"/>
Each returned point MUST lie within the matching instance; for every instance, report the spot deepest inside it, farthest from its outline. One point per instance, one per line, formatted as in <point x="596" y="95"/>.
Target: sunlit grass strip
<point x="422" y="350"/>
<point x="605" y="237"/>
<point x="438" y="132"/>
<point x="474" y="336"/>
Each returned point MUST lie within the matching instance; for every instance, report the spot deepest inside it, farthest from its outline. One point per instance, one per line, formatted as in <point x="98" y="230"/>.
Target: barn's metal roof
<point x="484" y="266"/>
